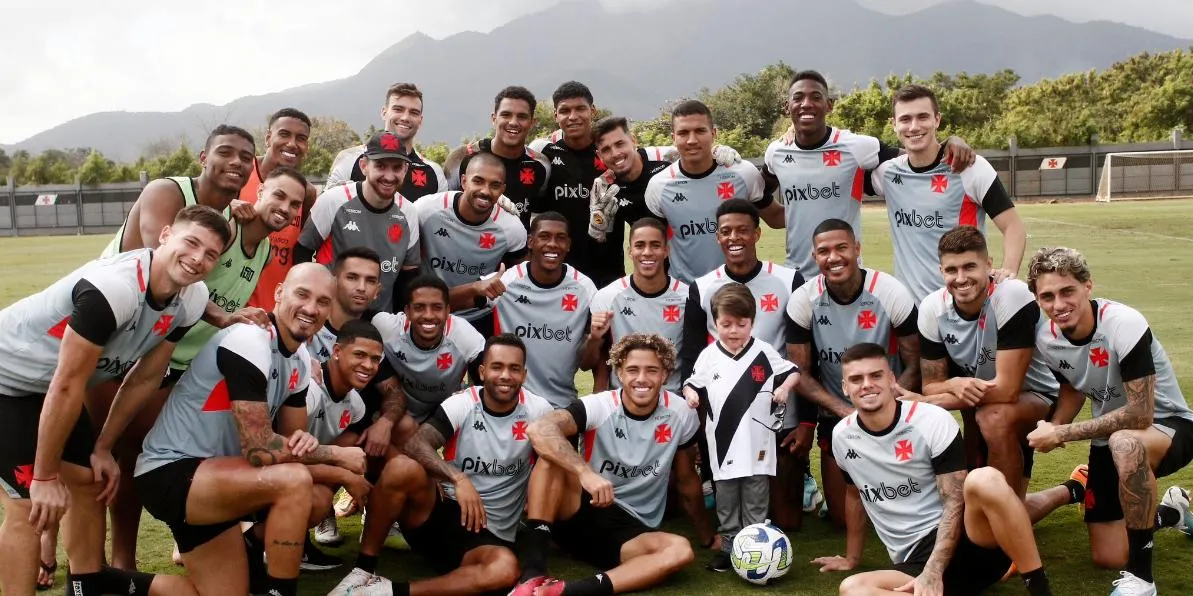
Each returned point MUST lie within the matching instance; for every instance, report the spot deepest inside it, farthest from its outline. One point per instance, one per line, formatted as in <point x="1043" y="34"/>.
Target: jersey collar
<point x="889" y="428"/>
<point x="277" y="337"/>
<point x="738" y="356"/>
<point x="747" y="278"/>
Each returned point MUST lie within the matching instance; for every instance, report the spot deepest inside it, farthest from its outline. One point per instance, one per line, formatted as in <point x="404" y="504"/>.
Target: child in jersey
<point x="730" y="380"/>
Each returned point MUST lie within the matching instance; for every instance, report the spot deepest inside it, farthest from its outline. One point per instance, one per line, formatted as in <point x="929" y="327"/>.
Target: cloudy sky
<point x="68" y="58"/>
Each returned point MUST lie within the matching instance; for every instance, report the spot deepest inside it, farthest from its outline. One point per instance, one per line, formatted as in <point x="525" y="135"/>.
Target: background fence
<point x="77" y="209"/>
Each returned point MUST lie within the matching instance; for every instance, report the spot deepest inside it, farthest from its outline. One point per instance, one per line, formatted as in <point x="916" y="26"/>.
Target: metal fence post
<point x="79" y="205"/>
<point x="1013" y="163"/>
<point x="1093" y="163"/>
<point x="1176" y="160"/>
<point x="12" y="204"/>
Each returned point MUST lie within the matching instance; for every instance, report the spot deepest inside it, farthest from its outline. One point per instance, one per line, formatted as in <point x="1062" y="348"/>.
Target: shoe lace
<point x="1129" y="585"/>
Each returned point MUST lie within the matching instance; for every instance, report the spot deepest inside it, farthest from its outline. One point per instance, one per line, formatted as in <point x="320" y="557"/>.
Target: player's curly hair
<point x="1060" y="260"/>
<point x="654" y="342"/>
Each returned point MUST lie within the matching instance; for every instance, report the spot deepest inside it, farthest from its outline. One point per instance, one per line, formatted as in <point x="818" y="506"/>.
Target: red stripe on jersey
<point x="497" y="212"/>
<point x="671" y="170"/>
<point x="770" y="267"/>
<point x="589" y="439"/>
<point x="718" y="271"/>
<point x="496" y="321"/>
<point x="140" y="276"/>
<point x="60" y="329"/>
<point x="969" y="213"/>
<point x="911" y="411"/>
<point x="859" y="184"/>
<point x="1102" y="311"/>
<point x="449" y="450"/>
<point x="614" y="396"/>
<point x="873" y="282"/>
<point x="836" y="134"/>
<point x="324" y="256"/>
<point x="820" y="284"/>
<point x="1052" y="327"/>
<point x="445" y="196"/>
<point x="447" y="327"/>
<point x="575" y="274"/>
<point x="519" y="268"/>
<point x="348" y="190"/>
<point x="624" y="284"/>
<point x="675" y="286"/>
<point x="711" y="338"/>
<point x="475" y="397"/>
<point x="218" y="400"/>
<point x="522" y="396"/>
<point x="666" y="399"/>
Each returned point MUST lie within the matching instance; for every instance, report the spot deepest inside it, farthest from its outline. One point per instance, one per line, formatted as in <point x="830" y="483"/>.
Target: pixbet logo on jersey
<point x="890" y="492"/>
<point x="492" y="468"/>
<point x="915" y="219"/>
<point x="391" y="265"/>
<point x="571" y="192"/>
<point x="698" y="228"/>
<point x="619" y="469"/>
<point x="812" y="193"/>
<point x="544" y="332"/>
<point x="457" y="266"/>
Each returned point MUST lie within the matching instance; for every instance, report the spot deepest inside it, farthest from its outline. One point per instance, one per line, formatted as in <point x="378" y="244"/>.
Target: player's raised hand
<point x="602" y="205"/>
<point x="243" y="211"/>
<point x="958" y="154"/>
<point x="1044" y="437"/>
<point x="692" y="397"/>
<point x="598" y="487"/>
<point x="971" y="390"/>
<point x="789" y="135"/>
<point x="250" y="314"/>
<point x="834" y="563"/>
<point x="106" y="473"/>
<point x="508" y="206"/>
<point x="491" y="287"/>
<point x="725" y="156"/>
<point x="600" y="323"/>
<point x="1001" y="275"/>
<point x="472" y="510"/>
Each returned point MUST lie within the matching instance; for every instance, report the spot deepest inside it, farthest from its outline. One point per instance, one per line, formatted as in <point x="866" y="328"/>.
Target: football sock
<point x="367" y="563"/>
<point x="282" y="587"/>
<point x="1139" y="553"/>
<point x="1076" y="491"/>
<point x="1167" y="517"/>
<point x="597" y="585"/>
<point x="534" y="552"/>
<point x="109" y="580"/>
<point x="1036" y="583"/>
<point x="401" y="588"/>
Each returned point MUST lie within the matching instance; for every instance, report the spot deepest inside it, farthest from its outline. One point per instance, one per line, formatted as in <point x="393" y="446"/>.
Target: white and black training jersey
<point x="553" y="321"/>
<point x="423" y="176"/>
<point x="895" y="470"/>
<point x="428" y="376"/>
<point x="635" y="453"/>
<point x="1007" y="321"/>
<point x="736" y="391"/>
<point x="493" y="450"/>
<point x="881" y="312"/>
<point x="635" y="311"/>
<point x="1121" y="349"/>
<point x="327" y="416"/>
<point x="688" y="202"/>
<point x="109" y="303"/>
<point x="243" y="362"/>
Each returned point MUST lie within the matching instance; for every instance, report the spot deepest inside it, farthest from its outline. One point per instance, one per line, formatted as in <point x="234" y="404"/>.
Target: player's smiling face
<point x="915" y="123"/>
<point x="512" y="122"/>
<point x="384" y="175"/>
<point x="304" y="301"/>
<point x="358" y="361"/>
<point x="279" y="201"/>
<point x="1066" y="302"/>
<point x="403" y="116"/>
<point x="618" y="151"/>
<point x="227" y="161"/>
<point x="642" y="376"/>
<point x="733" y="332"/>
<point x="287" y="140"/>
<point x="549" y="244"/>
<point x="966" y="276"/>
<point x="503" y="372"/>
<point x="574" y="117"/>
<point x="648" y="251"/>
<point x="427" y="313"/>
<point x="738" y="236"/>
<point x="190" y="250"/>
<point x="483" y="184"/>
<point x="358" y="281"/>
<point x="836" y="253"/>
<point x="868" y="383"/>
<point x="808" y="104"/>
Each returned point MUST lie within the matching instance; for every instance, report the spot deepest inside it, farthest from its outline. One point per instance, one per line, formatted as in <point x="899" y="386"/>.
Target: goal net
<point x="1146" y="175"/>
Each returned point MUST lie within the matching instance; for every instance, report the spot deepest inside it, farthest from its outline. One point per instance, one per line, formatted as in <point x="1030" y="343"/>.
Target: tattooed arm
<point x="393" y="399"/>
<point x="1135" y="415"/>
<point x="548" y="435"/>
<point x="423" y="448"/>
<point x="263" y="447"/>
<point x="937" y="390"/>
<point x="377" y="438"/>
<point x="948" y="532"/>
<point x="909" y="353"/>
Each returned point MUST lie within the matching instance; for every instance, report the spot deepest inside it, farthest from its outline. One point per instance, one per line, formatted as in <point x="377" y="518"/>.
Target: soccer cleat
<point x="327" y="532"/>
<point x="1080" y="474"/>
<point x="314" y="559"/>
<point x="812" y="496"/>
<point x="528" y="587"/>
<point x="552" y="587"/>
<point x="362" y="583"/>
<point x="720" y="563"/>
<point x="345" y="504"/>
<point x="1129" y="585"/>
<point x="1178" y="498"/>
<point x="1011" y="571"/>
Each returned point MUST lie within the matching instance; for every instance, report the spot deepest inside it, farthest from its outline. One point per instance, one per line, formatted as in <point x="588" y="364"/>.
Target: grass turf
<point x="1139" y="252"/>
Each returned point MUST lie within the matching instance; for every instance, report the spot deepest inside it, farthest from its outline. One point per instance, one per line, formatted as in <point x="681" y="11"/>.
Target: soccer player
<point x="226" y="158"/>
<point x="925" y="198"/>
<point x="646" y="301"/>
<point x="947" y="532"/>
<point x="213" y="456"/>
<point x="630" y="169"/>
<point x="1141" y="429"/>
<point x="821" y="170"/>
<point x="358" y="280"/>
<point x="429" y="349"/>
<point x="468" y="240"/>
<point x="285" y="145"/>
<point x="731" y="375"/>
<point x="401" y="115"/>
<point x="526" y="171"/>
<point x="978" y="352"/>
<point x="688" y="193"/>
<point x="546" y="304"/>
<point x="844" y="306"/>
<point x="604" y="507"/>
<point x="111" y="319"/>
<point x="466" y="532"/>
<point x="371" y="213"/>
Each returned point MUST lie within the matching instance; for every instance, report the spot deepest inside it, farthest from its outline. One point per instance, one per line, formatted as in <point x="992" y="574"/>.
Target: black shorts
<point x="443" y="542"/>
<point x="1101" y="490"/>
<point x="824" y="434"/>
<point x="164" y="492"/>
<point x="19" y="418"/>
<point x="595" y="535"/>
<point x="973" y="568"/>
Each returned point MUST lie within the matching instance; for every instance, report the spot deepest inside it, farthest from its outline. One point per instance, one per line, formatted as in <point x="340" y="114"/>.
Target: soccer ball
<point x="761" y="553"/>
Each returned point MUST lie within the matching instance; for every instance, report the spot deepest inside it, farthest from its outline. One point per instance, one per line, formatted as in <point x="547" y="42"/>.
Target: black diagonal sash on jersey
<point x="738" y="403"/>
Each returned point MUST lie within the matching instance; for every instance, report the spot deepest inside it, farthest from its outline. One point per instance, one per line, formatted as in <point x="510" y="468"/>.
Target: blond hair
<point x="1060" y="260"/>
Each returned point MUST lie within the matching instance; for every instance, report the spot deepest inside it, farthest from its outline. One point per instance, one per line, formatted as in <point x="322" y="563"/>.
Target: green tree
<point x="96" y="170"/>
<point x="752" y="102"/>
<point x="52" y="166"/>
<point x="329" y="136"/>
<point x="182" y="162"/>
<point x="436" y="152"/>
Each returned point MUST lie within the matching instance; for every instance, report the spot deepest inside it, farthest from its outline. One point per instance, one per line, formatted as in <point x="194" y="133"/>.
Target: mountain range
<point x="635" y="62"/>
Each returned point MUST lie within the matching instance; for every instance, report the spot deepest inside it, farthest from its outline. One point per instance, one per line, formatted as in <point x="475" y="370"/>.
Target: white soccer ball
<point x="761" y="553"/>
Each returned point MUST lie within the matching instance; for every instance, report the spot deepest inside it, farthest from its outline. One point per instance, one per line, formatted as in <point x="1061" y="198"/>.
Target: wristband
<point x="812" y="424"/>
<point x="50" y="479"/>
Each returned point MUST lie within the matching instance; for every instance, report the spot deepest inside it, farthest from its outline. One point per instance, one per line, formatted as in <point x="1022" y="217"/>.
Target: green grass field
<point x="1139" y="253"/>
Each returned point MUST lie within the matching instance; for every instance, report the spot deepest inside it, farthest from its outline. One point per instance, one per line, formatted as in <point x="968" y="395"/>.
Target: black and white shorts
<point x="19" y="418"/>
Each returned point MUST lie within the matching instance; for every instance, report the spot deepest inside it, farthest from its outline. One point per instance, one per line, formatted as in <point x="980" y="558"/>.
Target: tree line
<point x="1143" y="98"/>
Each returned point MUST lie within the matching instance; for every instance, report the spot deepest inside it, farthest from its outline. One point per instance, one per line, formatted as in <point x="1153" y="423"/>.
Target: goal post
<point x="1146" y="175"/>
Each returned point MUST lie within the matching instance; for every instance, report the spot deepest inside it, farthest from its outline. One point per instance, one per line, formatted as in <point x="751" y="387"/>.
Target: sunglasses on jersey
<point x="774" y="422"/>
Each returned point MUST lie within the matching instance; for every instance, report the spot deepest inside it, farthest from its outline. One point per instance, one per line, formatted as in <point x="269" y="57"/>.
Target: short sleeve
<point x="931" y="346"/>
<point x="753" y="179"/>
<point x="603" y="300"/>
<point x="654" y="195"/>
<point x="894" y="297"/>
<point x="687" y="423"/>
<point x="470" y="341"/>
<point x="389" y="325"/>
<point x="937" y="425"/>
<point x="92" y="316"/>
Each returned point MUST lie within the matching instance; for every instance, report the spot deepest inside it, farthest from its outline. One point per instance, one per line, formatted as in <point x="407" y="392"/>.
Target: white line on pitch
<point x="1078" y="225"/>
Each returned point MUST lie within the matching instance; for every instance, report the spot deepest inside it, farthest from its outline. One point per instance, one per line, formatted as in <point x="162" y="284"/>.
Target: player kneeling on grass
<point x="604" y="506"/>
<point x="731" y="376"/>
<point x="466" y="531"/>
<point x="1142" y="427"/>
<point x="946" y="532"/>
